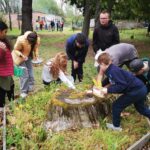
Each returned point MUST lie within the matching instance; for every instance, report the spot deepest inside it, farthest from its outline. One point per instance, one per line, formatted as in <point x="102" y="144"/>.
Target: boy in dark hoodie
<point x="122" y="82"/>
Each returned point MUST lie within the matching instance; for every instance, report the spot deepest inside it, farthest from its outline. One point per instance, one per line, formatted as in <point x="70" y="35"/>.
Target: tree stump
<point x="70" y="109"/>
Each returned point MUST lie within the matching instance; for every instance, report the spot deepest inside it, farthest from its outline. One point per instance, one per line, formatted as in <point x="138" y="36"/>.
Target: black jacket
<point x="104" y="37"/>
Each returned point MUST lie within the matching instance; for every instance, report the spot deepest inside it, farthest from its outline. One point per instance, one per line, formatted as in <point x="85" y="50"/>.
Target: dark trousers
<point x="136" y="97"/>
<point x="77" y="72"/>
<point x="10" y="95"/>
<point x="58" y="81"/>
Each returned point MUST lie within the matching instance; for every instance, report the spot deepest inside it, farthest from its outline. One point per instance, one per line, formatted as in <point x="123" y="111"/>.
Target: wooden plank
<point x="140" y="143"/>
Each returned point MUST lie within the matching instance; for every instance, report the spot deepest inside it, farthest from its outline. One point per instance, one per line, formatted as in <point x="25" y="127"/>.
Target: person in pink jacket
<point x="6" y="67"/>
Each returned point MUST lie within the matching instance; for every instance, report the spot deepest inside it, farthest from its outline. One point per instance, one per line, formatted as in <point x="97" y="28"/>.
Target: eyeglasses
<point x="103" y="18"/>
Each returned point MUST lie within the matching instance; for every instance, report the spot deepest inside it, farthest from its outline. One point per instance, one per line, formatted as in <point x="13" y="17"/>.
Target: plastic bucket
<point x="18" y="71"/>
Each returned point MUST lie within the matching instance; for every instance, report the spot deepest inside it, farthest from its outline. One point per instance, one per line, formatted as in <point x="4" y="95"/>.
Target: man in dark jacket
<point x="105" y="33"/>
<point x="76" y="49"/>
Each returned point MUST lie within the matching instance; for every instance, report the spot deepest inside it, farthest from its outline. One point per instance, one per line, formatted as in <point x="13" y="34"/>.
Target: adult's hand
<point x="75" y="64"/>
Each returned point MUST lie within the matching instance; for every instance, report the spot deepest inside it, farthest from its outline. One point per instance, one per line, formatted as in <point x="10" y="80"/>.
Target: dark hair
<point x="81" y="38"/>
<point x="4" y="26"/>
<point x="136" y="65"/>
<point x="32" y="37"/>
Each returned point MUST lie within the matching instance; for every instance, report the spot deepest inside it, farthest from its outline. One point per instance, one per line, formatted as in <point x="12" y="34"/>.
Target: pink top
<point x="6" y="63"/>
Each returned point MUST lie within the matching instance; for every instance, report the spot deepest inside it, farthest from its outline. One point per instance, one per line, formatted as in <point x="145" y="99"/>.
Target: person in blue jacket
<point x="76" y="49"/>
<point x="122" y="82"/>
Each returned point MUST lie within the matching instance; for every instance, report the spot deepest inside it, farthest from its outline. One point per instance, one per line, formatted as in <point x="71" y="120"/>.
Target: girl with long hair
<point x="6" y="67"/>
<point x="56" y="70"/>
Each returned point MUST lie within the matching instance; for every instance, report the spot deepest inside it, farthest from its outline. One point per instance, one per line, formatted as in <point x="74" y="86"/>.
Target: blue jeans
<point x="27" y="80"/>
<point x="136" y="97"/>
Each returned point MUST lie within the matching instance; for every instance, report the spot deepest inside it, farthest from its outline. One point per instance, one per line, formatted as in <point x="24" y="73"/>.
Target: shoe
<point x="23" y="95"/>
<point x="111" y="126"/>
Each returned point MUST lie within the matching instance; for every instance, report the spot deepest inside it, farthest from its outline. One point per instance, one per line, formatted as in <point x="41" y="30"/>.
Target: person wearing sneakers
<point x="141" y="68"/>
<point x="6" y="67"/>
<point x="122" y="82"/>
<point x="26" y="49"/>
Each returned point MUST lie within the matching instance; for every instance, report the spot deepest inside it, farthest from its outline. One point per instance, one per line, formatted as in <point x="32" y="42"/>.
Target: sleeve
<point x="18" y="47"/>
<point x="81" y="59"/>
<point x="36" y="48"/>
<point x="2" y="53"/>
<point x="120" y="82"/>
<point x="95" y="46"/>
<point x="116" y="38"/>
<point x="69" y="50"/>
<point x="65" y="80"/>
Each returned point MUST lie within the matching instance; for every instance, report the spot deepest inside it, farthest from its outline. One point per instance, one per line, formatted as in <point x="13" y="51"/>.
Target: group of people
<point x="49" y="25"/>
<point x="110" y="56"/>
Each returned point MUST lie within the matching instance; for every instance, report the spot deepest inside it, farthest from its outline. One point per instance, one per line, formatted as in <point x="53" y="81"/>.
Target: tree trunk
<point x="87" y="15"/>
<point x="72" y="110"/>
<point x="26" y="16"/>
<point x="97" y="12"/>
<point x="110" y="5"/>
<point x="10" y="22"/>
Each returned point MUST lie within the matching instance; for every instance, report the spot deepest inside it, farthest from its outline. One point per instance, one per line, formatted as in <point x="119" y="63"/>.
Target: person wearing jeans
<point x="132" y="90"/>
<point x="26" y="49"/>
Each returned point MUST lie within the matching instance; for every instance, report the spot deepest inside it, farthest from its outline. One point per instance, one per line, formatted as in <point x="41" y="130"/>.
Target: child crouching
<point x="56" y="70"/>
<point x="122" y="82"/>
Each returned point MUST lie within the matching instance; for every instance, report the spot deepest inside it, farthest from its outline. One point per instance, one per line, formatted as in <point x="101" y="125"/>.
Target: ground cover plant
<point x="25" y="129"/>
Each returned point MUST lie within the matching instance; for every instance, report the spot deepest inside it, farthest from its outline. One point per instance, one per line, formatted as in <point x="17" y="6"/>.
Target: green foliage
<point x="47" y="6"/>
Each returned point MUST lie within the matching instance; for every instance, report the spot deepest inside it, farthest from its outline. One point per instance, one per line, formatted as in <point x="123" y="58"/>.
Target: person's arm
<point x="95" y="36"/>
<point x="120" y="82"/>
<point x="65" y="80"/>
<point x="84" y="50"/>
<point x="18" y="47"/>
<point x="69" y="50"/>
<point x="2" y="53"/>
<point x="36" y="48"/>
<point x="116" y="38"/>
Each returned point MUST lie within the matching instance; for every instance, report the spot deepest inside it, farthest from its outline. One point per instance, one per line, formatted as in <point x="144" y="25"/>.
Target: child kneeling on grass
<point x="56" y="70"/>
<point x="122" y="82"/>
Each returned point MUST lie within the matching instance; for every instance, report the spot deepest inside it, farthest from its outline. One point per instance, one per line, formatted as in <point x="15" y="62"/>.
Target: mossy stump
<point x="70" y="109"/>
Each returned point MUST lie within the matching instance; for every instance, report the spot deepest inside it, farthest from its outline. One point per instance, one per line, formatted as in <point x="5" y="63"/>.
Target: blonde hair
<point x="59" y="62"/>
<point x="104" y="58"/>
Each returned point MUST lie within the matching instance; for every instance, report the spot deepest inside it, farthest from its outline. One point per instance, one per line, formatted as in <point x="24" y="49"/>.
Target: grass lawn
<point x="25" y="130"/>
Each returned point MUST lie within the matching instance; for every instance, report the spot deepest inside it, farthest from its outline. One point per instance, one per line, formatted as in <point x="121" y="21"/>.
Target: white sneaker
<point x="111" y="126"/>
<point x="23" y="95"/>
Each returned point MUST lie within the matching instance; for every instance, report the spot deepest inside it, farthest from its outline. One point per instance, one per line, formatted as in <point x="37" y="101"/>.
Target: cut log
<point x="71" y="109"/>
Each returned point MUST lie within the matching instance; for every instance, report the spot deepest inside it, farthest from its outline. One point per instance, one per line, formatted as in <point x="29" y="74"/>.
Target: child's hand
<point x="2" y="45"/>
<point x="97" y="84"/>
<point x="104" y="90"/>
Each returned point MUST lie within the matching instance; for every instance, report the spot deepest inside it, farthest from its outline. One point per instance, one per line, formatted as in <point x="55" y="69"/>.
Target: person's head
<point x="3" y="30"/>
<point x="80" y="40"/>
<point x="59" y="63"/>
<point x="137" y="66"/>
<point x="32" y="37"/>
<point x="104" y="18"/>
<point x="104" y="60"/>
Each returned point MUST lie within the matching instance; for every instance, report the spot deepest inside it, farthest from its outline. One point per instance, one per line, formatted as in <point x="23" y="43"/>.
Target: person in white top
<point x="56" y="70"/>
